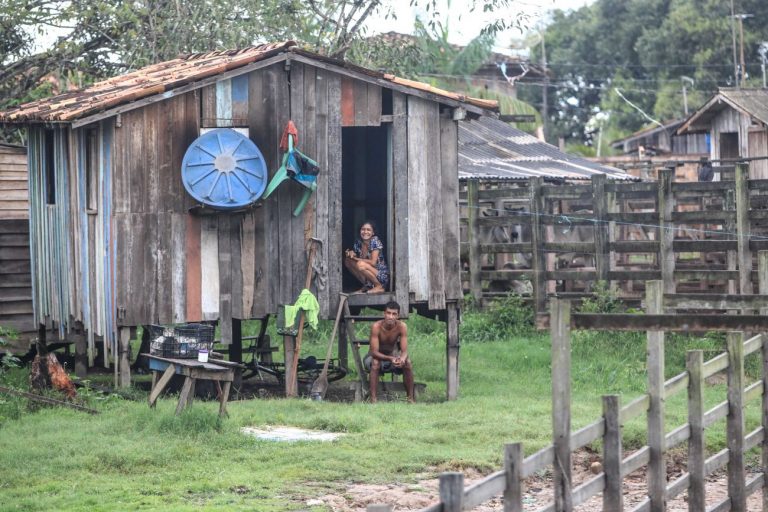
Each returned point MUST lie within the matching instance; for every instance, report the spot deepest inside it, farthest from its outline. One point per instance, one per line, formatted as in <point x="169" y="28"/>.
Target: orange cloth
<point x="290" y="129"/>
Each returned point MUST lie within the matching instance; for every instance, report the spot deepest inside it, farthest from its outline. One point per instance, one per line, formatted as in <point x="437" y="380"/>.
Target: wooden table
<point x="163" y="368"/>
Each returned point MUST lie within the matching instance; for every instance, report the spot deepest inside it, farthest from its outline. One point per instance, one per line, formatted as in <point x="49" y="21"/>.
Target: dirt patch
<point x="538" y="490"/>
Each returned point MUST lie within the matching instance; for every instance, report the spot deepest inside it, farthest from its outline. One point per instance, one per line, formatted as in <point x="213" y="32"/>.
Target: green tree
<point x="642" y="48"/>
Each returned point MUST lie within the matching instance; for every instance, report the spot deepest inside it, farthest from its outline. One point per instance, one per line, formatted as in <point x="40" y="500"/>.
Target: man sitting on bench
<point x="383" y="353"/>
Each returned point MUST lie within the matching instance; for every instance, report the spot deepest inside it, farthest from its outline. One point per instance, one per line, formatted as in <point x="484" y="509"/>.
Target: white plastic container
<point x="202" y="355"/>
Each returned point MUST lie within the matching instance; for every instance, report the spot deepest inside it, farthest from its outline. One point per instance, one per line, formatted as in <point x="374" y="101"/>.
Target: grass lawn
<point x="132" y="458"/>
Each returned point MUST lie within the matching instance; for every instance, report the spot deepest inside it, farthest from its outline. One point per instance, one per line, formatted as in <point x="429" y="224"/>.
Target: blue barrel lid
<point x="224" y="169"/>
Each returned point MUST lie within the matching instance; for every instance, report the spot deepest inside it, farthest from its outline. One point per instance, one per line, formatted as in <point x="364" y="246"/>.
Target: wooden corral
<point x="608" y="483"/>
<point x="15" y="281"/>
<point x="560" y="239"/>
<point x="119" y="243"/>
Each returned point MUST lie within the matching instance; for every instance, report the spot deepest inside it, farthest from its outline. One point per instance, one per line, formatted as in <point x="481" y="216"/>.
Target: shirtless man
<point x="385" y="336"/>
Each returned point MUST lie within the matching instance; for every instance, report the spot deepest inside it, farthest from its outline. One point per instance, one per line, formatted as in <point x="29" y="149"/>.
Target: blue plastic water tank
<point x="224" y="169"/>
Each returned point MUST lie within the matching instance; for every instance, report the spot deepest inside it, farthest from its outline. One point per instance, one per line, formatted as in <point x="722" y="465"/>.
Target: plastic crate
<point x="181" y="341"/>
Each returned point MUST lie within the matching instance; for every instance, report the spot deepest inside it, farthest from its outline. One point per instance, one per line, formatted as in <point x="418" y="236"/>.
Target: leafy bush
<point x="505" y="318"/>
<point x="7" y="360"/>
<point x="603" y="300"/>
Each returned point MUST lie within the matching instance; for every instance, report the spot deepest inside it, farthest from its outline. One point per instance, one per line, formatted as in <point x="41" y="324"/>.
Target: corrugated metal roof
<point x="166" y="76"/>
<point x="753" y="102"/>
<point x="669" y="126"/>
<point x="492" y="149"/>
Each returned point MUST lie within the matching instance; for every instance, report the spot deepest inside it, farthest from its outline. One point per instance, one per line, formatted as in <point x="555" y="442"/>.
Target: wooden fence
<point x="509" y="481"/>
<point x="696" y="237"/>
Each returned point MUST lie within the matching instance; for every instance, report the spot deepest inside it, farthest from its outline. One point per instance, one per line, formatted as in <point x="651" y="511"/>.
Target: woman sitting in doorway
<point x="366" y="260"/>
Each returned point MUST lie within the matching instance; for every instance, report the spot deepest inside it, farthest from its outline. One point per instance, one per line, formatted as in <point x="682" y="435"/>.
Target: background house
<point x="736" y="121"/>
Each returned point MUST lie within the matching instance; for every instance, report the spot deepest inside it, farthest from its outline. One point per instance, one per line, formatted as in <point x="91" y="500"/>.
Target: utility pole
<point x="545" y="94"/>
<point x="733" y="40"/>
<point x="743" y="69"/>
<point x="763" y="51"/>
<point x="686" y="79"/>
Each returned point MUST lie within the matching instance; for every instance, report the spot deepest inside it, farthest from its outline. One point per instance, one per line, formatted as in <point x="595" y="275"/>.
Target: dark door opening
<point x="729" y="146"/>
<point x="366" y="189"/>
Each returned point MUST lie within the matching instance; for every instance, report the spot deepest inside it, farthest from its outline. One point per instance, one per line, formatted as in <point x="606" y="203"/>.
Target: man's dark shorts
<point x="386" y="366"/>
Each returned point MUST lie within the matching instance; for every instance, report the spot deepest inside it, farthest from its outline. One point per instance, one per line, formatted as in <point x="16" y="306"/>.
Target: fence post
<point x="735" y="422"/>
<point x="729" y="205"/>
<point x="473" y="237"/>
<point x="600" y="226"/>
<point x="742" y="229"/>
<point x="666" y="229"/>
<point x="694" y="363"/>
<point x="538" y="260"/>
<point x="657" y="469"/>
<point x="762" y="276"/>
<point x="513" y="473"/>
<point x="452" y="491"/>
<point x="765" y="418"/>
<point x="560" y="332"/>
<point x="613" y="498"/>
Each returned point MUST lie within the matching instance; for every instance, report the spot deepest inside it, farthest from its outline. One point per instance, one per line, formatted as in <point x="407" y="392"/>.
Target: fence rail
<point x="509" y="481"/>
<point x="542" y="239"/>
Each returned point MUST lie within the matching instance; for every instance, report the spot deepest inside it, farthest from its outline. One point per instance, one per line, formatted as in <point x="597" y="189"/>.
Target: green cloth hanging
<point x="306" y="302"/>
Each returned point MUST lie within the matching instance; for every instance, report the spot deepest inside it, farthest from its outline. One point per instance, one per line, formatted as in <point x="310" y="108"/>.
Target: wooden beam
<point x="677" y="323"/>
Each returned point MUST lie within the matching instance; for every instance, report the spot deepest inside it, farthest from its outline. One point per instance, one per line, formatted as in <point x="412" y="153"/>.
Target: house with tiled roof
<point x="162" y="196"/>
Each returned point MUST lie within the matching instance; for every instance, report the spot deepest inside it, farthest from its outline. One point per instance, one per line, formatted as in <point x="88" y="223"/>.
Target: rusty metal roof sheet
<point x="490" y="149"/>
<point x="166" y="76"/>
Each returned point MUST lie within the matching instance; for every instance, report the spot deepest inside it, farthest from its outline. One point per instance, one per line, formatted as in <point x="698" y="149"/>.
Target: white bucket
<point x="202" y="355"/>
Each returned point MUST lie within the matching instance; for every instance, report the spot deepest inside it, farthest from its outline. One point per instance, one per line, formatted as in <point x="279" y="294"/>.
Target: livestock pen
<point x="562" y="238"/>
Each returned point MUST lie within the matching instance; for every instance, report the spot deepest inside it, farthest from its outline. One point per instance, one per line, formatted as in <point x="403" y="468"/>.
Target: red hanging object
<point x="290" y="129"/>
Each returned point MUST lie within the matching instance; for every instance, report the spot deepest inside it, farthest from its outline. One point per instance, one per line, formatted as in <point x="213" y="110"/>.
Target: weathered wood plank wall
<point x="14" y="191"/>
<point x="123" y="221"/>
<point x="15" y="280"/>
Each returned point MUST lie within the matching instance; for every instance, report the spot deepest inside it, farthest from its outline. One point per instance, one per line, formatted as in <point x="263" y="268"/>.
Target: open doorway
<point x="366" y="189"/>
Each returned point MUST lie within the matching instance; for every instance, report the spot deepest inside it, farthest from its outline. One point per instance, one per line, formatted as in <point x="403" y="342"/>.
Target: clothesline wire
<point x="568" y="221"/>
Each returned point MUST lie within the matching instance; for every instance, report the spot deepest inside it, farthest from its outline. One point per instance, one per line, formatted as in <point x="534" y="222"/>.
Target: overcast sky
<point x="465" y="25"/>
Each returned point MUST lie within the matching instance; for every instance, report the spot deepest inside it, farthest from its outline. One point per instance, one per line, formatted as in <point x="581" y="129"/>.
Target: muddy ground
<point x="538" y="491"/>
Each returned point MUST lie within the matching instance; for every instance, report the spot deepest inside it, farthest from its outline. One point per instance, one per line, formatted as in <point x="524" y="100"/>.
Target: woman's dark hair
<point x="372" y="224"/>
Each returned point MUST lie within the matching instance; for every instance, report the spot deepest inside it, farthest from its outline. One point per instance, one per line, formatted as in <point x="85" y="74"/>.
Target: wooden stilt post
<point x="452" y="352"/>
<point x="289" y="347"/>
<point x="236" y="350"/>
<point x="124" y="348"/>
<point x="41" y="345"/>
<point x="81" y="351"/>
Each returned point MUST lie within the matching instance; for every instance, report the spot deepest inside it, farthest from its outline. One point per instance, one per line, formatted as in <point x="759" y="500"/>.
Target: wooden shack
<point x="737" y="123"/>
<point x="117" y="242"/>
<point x="15" y="281"/>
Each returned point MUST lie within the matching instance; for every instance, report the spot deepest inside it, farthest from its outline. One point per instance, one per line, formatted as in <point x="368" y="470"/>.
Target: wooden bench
<point x="163" y="368"/>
